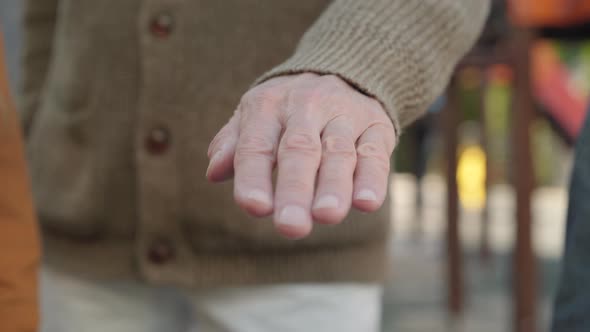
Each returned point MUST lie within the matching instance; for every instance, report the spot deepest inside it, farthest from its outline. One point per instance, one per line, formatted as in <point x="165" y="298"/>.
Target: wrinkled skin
<point x="330" y="143"/>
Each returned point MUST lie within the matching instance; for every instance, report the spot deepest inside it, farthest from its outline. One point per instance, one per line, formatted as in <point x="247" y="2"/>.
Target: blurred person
<point x="569" y="20"/>
<point x="571" y="311"/>
<point x="121" y="99"/>
<point x="19" y="250"/>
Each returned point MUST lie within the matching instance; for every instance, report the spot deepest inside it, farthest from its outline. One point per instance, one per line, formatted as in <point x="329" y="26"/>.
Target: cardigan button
<point x="160" y="252"/>
<point x="161" y="26"/>
<point x="158" y="140"/>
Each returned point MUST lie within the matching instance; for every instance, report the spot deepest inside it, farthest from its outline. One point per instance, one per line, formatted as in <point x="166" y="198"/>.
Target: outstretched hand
<point x="330" y="143"/>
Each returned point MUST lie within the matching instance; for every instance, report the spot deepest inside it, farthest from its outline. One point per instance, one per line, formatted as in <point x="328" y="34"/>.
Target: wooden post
<point x="484" y="241"/>
<point x="454" y="253"/>
<point x="524" y="265"/>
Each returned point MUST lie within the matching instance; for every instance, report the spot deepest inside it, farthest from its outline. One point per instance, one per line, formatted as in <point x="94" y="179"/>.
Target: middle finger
<point x="335" y="179"/>
<point x="298" y="161"/>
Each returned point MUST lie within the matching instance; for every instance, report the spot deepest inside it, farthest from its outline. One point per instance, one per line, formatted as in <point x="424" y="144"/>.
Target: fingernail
<point x="366" y="195"/>
<point x="326" y="202"/>
<point x="293" y="216"/>
<point x="259" y="196"/>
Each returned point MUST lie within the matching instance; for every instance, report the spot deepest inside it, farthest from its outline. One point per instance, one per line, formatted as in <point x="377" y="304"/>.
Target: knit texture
<point x="123" y="100"/>
<point x="401" y="52"/>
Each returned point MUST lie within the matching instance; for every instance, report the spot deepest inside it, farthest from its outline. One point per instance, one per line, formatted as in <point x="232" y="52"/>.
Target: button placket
<point x="157" y="250"/>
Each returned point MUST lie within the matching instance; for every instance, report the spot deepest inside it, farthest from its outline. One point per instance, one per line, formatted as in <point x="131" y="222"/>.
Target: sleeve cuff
<point x="400" y="52"/>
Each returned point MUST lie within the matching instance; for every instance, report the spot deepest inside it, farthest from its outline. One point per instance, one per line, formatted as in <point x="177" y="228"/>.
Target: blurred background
<point x="469" y="285"/>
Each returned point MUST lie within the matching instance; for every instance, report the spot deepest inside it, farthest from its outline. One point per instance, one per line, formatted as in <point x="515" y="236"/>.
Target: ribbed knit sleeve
<point x="39" y="26"/>
<point x="401" y="52"/>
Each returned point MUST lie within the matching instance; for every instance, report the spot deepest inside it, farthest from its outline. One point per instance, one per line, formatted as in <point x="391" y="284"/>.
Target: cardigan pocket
<point x="63" y="167"/>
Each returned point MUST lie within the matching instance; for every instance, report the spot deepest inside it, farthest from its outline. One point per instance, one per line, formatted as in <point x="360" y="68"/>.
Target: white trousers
<point x="70" y="304"/>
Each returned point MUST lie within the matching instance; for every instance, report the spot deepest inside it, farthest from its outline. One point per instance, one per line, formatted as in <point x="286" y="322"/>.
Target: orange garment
<point x="19" y="248"/>
<point x="550" y="13"/>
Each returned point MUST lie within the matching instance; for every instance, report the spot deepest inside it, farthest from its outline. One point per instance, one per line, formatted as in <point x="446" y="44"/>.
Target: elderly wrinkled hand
<point x="330" y="143"/>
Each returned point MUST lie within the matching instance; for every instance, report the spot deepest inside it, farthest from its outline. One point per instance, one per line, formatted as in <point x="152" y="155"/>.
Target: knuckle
<point x="313" y="91"/>
<point x="376" y="154"/>
<point x="306" y="97"/>
<point x="259" y="97"/>
<point x="370" y="150"/>
<point x="387" y="135"/>
<point x="385" y="126"/>
<point x="301" y="142"/>
<point x="314" y="102"/>
<point x="340" y="146"/>
<point x="252" y="145"/>
<point x="223" y="135"/>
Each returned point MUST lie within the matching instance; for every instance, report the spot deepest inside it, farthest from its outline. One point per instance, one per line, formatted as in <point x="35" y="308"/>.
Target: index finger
<point x="255" y="158"/>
